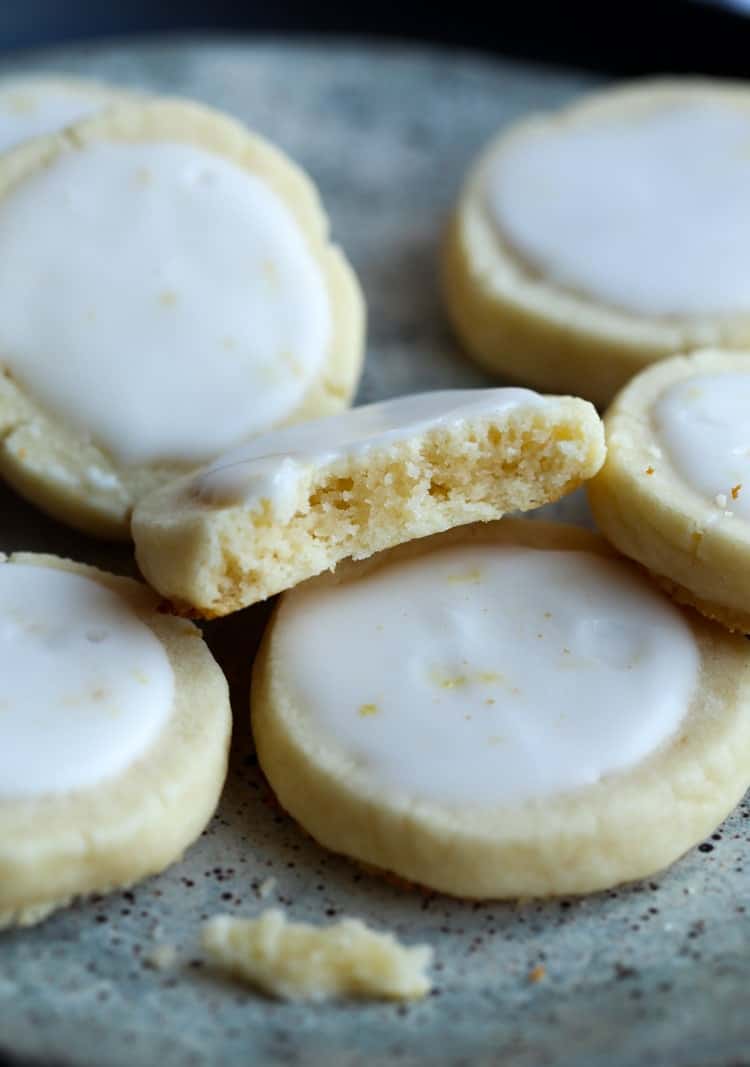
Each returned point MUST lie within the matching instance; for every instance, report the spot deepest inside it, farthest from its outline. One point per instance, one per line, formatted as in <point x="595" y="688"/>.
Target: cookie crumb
<point x="266" y="887"/>
<point x="649" y="469"/>
<point x="736" y="490"/>
<point x="537" y="974"/>
<point x="161" y="957"/>
<point x="167" y="298"/>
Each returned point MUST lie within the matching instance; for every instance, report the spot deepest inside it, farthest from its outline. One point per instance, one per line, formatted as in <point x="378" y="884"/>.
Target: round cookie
<point x="674" y="493"/>
<point x="505" y="710"/>
<point x="114" y="732"/>
<point x="185" y="297"/>
<point x="38" y="104"/>
<point x="294" y="503"/>
<point x="590" y="242"/>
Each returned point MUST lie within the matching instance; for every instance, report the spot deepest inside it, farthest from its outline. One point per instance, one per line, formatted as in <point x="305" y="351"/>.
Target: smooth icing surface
<point x="488" y="674"/>
<point x="648" y="213"/>
<point x="159" y="298"/>
<point x="703" y="424"/>
<point x="32" y="109"/>
<point x="268" y="467"/>
<point x="86" y="685"/>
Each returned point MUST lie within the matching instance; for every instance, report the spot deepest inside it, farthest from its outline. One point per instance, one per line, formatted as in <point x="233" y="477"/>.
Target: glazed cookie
<point x="294" y="503"/>
<point x="39" y="104"/>
<point x="167" y="290"/>
<point x="589" y="243"/>
<point x="505" y="710"/>
<point x="674" y="493"/>
<point x="114" y="730"/>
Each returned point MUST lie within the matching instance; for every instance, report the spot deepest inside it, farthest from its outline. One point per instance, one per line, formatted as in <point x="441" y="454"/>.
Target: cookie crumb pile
<point x="297" y="961"/>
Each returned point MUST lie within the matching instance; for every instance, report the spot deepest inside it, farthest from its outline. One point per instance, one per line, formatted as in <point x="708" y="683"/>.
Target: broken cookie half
<point x="293" y="503"/>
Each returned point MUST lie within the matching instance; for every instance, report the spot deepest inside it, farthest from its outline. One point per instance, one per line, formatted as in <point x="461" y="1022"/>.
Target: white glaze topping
<point x="38" y="107"/>
<point x="649" y="213"/>
<point x="703" y="424"/>
<point x="160" y="298"/>
<point x="269" y="467"/>
<point x="86" y="687"/>
<point x="488" y="674"/>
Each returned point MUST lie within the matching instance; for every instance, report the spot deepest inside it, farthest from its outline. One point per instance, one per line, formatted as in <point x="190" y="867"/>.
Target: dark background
<point x="618" y="38"/>
<point x="626" y="39"/>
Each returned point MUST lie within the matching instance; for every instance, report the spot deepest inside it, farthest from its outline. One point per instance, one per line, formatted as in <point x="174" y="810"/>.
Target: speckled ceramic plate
<point x="653" y="974"/>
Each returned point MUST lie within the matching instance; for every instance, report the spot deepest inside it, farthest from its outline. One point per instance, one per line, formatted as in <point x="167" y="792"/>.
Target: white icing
<point x="86" y="688"/>
<point x="270" y="466"/>
<point x="487" y="675"/>
<point x="35" y="108"/>
<point x="159" y="298"/>
<point x="703" y="423"/>
<point x="649" y="212"/>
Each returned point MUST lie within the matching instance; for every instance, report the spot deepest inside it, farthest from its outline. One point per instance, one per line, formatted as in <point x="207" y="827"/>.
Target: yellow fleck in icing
<point x="474" y="575"/>
<point x="21" y="104"/>
<point x="490" y="676"/>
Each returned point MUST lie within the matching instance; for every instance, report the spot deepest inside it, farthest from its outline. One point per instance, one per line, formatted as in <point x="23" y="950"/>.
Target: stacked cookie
<point x="477" y="703"/>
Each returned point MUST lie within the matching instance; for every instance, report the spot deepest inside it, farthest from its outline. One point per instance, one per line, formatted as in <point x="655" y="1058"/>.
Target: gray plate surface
<point x="656" y="973"/>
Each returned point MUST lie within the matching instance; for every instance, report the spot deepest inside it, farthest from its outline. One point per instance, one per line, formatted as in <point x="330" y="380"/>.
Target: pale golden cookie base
<point x="624" y="828"/>
<point x="24" y="86"/>
<point x="37" y="913"/>
<point x="51" y="464"/>
<point x="518" y="342"/>
<point x="58" y="848"/>
<point x="737" y="622"/>
<point x="643" y="507"/>
<point x="212" y="560"/>
<point x="522" y="325"/>
<point x="33" y="915"/>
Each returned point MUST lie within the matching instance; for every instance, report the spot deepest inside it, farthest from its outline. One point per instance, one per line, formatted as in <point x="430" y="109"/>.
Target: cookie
<point x="674" y="493"/>
<point x="590" y="242"/>
<point x="296" y="502"/>
<point x="39" y="104"/>
<point x="114" y="731"/>
<point x="505" y="710"/>
<point x="167" y="290"/>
